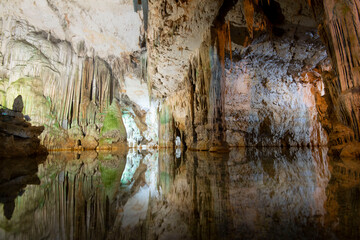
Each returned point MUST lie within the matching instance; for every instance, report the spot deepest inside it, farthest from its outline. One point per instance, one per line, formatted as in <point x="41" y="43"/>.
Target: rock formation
<point x="15" y="175"/>
<point x="18" y="104"/>
<point x="72" y="83"/>
<point x="338" y="26"/>
<point x="253" y="193"/>
<point x="18" y="137"/>
<point x="216" y="74"/>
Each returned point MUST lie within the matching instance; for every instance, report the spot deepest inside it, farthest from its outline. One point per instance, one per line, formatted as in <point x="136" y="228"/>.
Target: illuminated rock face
<point x="338" y="27"/>
<point x="216" y="73"/>
<point x="85" y="25"/>
<point x="273" y="88"/>
<point x="273" y="91"/>
<point x="73" y="70"/>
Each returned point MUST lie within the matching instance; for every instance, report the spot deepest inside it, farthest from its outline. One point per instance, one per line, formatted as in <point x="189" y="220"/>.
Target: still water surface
<point x="269" y="193"/>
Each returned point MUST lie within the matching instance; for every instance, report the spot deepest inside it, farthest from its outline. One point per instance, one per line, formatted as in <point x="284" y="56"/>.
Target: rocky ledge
<point x="18" y="138"/>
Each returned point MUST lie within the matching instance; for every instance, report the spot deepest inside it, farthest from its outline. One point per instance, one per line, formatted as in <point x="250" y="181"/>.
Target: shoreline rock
<point x="18" y="138"/>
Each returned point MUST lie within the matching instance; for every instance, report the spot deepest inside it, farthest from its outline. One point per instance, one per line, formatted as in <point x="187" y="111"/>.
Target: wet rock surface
<point x="273" y="84"/>
<point x="338" y="27"/>
<point x="18" y="137"/>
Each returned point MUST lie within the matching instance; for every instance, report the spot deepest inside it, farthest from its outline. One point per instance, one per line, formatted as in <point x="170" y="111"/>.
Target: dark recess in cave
<point x="272" y="11"/>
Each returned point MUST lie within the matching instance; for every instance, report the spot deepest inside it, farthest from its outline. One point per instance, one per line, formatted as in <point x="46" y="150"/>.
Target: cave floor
<point x="249" y="193"/>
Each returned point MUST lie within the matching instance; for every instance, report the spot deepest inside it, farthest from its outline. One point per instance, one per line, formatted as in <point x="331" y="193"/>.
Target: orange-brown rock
<point x="18" y="138"/>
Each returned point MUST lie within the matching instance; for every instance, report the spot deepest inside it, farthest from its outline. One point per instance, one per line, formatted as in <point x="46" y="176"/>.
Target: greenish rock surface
<point x="113" y="129"/>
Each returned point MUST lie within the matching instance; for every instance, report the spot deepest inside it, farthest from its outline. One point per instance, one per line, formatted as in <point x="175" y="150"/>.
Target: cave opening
<point x="178" y="139"/>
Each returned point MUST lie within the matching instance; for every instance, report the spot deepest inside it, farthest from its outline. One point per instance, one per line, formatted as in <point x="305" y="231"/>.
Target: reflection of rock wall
<point x="254" y="193"/>
<point x="14" y="177"/>
<point x="275" y="191"/>
<point x="209" y="180"/>
<point x="342" y="205"/>
<point x="194" y="188"/>
<point x="72" y="200"/>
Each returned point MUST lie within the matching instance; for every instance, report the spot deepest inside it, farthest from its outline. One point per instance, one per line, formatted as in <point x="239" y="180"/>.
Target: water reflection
<point x="14" y="176"/>
<point x="271" y="193"/>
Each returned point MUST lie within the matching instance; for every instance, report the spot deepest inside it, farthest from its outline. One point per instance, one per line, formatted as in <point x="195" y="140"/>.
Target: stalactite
<point x="339" y="30"/>
<point x="145" y="8"/>
<point x="221" y="43"/>
<point x="149" y="87"/>
<point x="166" y="127"/>
<point x="249" y="16"/>
<point x="229" y="48"/>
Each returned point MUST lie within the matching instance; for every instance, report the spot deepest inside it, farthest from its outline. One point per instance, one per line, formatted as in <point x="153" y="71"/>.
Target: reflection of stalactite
<point x="73" y="199"/>
<point x="74" y="211"/>
<point x="209" y="192"/>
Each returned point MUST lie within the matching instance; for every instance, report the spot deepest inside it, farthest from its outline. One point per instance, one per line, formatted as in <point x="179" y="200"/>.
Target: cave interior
<point x="180" y="119"/>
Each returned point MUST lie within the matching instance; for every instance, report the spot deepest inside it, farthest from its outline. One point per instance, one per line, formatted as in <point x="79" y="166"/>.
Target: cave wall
<point x="274" y="92"/>
<point x="273" y="82"/>
<point x="175" y="30"/>
<point x="281" y="88"/>
<point x="338" y="26"/>
<point x="61" y="87"/>
<point x="216" y="74"/>
<point x="80" y="76"/>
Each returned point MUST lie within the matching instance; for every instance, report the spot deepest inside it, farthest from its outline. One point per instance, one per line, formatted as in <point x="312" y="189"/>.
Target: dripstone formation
<point x="212" y="74"/>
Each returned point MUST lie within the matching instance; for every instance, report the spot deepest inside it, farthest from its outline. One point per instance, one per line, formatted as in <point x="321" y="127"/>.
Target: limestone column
<point x="220" y="41"/>
<point x="339" y="25"/>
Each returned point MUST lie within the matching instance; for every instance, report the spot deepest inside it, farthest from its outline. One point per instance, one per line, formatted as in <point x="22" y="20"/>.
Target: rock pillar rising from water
<point x="220" y="41"/>
<point x="217" y="93"/>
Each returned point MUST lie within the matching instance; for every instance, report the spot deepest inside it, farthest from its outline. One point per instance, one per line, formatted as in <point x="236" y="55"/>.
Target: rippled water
<point x="269" y="193"/>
